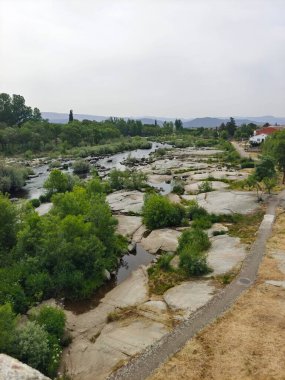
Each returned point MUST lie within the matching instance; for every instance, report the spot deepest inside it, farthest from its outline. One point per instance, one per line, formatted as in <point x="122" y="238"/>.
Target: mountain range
<point x="208" y="122"/>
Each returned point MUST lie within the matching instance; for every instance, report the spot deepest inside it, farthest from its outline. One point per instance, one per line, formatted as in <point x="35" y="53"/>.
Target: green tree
<point x="8" y="226"/>
<point x="274" y="146"/>
<point x="7" y="328"/>
<point x="178" y="125"/>
<point x="58" y="182"/>
<point x="70" y="117"/>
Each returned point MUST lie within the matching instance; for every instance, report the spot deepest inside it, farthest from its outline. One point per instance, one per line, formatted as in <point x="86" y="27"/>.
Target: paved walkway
<point x="141" y="367"/>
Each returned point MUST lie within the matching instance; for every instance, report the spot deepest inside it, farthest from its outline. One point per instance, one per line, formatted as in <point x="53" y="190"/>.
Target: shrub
<point x="128" y="179"/>
<point x="52" y="319"/>
<point x="194" y="238"/>
<point x="193" y="244"/>
<point x="204" y="222"/>
<point x="35" y="202"/>
<point x="32" y="345"/>
<point x="205" y="187"/>
<point x="159" y="212"/>
<point x="164" y="262"/>
<point x="178" y="188"/>
<point x="12" y="178"/>
<point x="193" y="261"/>
<point x="7" y="328"/>
<point x="81" y="167"/>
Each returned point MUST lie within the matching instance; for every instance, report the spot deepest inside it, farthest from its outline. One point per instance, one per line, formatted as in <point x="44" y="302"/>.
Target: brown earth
<point x="248" y="341"/>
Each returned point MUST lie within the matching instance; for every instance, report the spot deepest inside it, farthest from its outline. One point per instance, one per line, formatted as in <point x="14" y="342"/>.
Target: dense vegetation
<point x="62" y="254"/>
<point x="128" y="179"/>
<point x="274" y="147"/>
<point x="38" y="341"/>
<point x="12" y="178"/>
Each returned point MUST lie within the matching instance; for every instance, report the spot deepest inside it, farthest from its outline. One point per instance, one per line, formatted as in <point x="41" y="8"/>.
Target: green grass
<point x="246" y="226"/>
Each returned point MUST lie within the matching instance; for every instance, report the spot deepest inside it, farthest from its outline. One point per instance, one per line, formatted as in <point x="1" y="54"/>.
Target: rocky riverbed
<point x="129" y="318"/>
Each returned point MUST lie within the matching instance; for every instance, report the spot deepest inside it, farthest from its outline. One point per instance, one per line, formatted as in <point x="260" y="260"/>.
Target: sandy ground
<point x="248" y="342"/>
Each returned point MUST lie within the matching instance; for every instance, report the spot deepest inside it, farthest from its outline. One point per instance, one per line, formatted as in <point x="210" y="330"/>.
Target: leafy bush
<point x="7" y="328"/>
<point x="81" y="167"/>
<point x="128" y="179"/>
<point x="52" y="319"/>
<point x="32" y="346"/>
<point x="59" y="182"/>
<point x="159" y="212"/>
<point x="193" y="244"/>
<point x="246" y="163"/>
<point x="35" y="202"/>
<point x="178" y="188"/>
<point x="205" y="187"/>
<point x="164" y="262"/>
<point x="203" y="223"/>
<point x="12" y="178"/>
<point x="193" y="261"/>
<point x="194" y="238"/>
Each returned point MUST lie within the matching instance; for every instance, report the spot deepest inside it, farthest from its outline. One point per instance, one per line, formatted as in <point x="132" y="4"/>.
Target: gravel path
<point x="141" y="367"/>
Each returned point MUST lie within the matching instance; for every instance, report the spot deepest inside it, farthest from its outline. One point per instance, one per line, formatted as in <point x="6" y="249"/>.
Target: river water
<point x="34" y="186"/>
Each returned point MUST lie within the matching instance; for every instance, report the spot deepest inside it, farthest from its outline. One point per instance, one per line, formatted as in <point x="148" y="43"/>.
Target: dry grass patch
<point x="246" y="226"/>
<point x="247" y="342"/>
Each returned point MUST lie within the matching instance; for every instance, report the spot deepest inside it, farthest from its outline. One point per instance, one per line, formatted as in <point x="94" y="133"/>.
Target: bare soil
<point x="248" y="341"/>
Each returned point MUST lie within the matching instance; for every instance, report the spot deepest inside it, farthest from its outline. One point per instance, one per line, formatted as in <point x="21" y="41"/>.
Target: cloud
<point x="142" y="57"/>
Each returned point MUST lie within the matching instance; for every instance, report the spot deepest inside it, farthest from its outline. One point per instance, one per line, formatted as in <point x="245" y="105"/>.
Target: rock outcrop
<point x="13" y="369"/>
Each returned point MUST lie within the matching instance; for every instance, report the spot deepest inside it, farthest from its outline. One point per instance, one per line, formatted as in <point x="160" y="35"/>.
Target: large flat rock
<point x="194" y="187"/>
<point x="128" y="225"/>
<point x="165" y="239"/>
<point x="117" y="342"/>
<point x="228" y="202"/>
<point x="225" y="254"/>
<point x="126" y="201"/>
<point x="132" y="291"/>
<point x="189" y="296"/>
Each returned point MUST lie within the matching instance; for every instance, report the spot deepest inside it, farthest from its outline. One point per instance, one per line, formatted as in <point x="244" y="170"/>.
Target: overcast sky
<point x="177" y="58"/>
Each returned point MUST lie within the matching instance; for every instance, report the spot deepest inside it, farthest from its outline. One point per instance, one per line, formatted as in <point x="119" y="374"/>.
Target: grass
<point x="246" y="226"/>
<point x="160" y="281"/>
<point x="122" y="313"/>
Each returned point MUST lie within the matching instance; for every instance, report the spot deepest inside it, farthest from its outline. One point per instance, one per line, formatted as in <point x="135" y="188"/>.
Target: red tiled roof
<point x="266" y="131"/>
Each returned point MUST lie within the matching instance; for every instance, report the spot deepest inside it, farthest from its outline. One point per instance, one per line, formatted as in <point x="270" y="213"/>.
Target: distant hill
<point x="212" y="122"/>
<point x="207" y="122"/>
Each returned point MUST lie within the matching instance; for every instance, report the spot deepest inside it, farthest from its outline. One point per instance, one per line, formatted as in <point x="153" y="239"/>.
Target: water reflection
<point x="127" y="265"/>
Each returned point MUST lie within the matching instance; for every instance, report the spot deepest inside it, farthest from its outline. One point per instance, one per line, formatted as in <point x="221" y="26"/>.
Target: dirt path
<point x="241" y="151"/>
<point x="141" y="367"/>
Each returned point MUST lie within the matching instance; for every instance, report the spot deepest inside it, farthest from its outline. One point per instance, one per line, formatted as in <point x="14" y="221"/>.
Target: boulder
<point x="13" y="369"/>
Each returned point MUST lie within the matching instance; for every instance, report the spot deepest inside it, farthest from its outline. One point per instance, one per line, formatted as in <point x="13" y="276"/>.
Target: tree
<point x="58" y="182"/>
<point x="7" y="328"/>
<point x="8" y="225"/>
<point x="231" y="127"/>
<point x="70" y="118"/>
<point x="274" y="146"/>
<point x="178" y="125"/>
<point x="14" y="111"/>
<point x="265" y="169"/>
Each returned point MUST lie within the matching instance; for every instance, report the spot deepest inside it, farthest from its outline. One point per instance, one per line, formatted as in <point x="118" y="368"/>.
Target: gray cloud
<point x="179" y="58"/>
